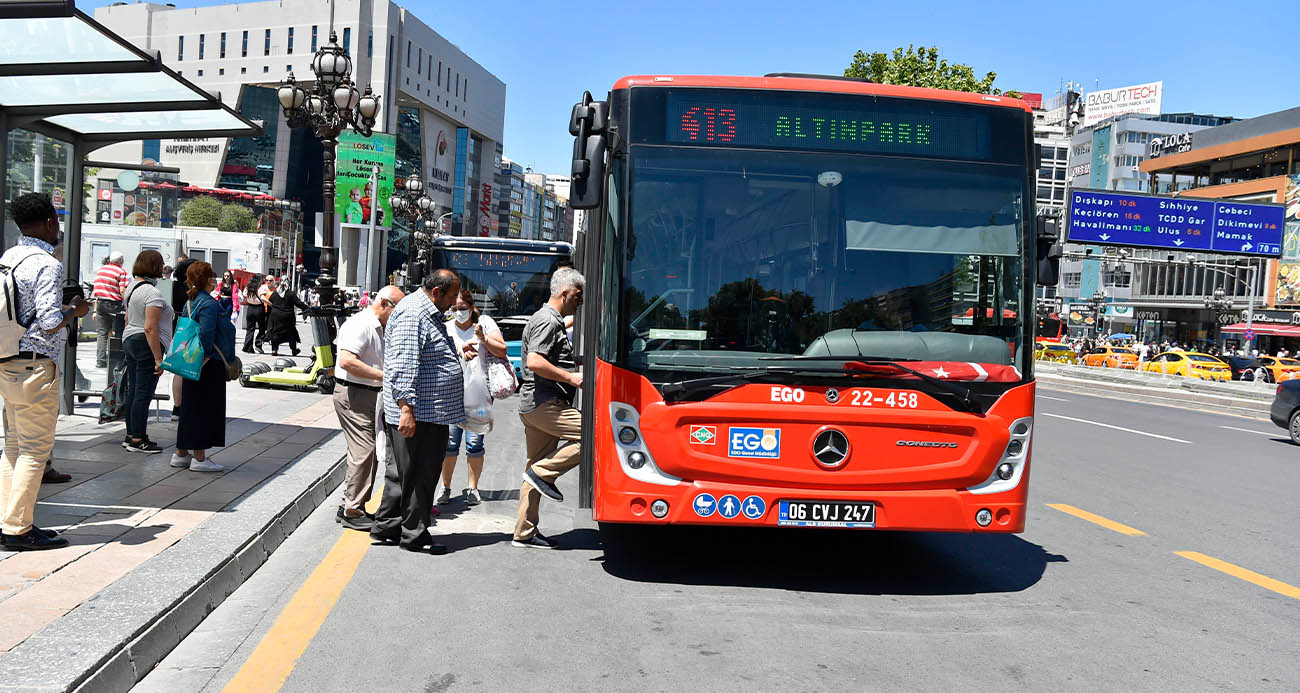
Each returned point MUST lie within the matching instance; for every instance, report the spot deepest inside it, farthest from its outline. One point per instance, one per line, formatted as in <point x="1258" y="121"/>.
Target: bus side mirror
<point x="1049" y="251"/>
<point x="587" y="125"/>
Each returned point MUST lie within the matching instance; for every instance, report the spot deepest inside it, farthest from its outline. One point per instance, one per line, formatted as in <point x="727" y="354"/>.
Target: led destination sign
<point x="1175" y="223"/>
<point x="879" y="126"/>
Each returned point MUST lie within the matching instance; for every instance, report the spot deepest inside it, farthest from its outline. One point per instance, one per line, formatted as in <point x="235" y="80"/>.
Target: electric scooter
<point x="318" y="374"/>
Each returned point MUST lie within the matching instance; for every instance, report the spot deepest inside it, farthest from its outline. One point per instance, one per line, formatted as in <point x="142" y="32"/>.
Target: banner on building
<point x="355" y="169"/>
<point x="1107" y="103"/>
<point x="1288" y="268"/>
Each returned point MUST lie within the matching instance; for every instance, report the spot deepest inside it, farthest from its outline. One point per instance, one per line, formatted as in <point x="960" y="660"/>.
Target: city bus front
<point x="810" y="308"/>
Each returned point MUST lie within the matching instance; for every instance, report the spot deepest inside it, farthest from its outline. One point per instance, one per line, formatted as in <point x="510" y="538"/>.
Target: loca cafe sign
<point x="1171" y="144"/>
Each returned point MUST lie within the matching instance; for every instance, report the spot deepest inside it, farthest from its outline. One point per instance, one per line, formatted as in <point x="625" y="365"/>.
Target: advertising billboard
<point x="355" y="165"/>
<point x="1138" y="98"/>
<point x="1288" y="269"/>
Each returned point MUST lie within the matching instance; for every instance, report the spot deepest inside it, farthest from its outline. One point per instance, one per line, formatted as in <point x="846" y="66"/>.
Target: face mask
<point x="461" y="315"/>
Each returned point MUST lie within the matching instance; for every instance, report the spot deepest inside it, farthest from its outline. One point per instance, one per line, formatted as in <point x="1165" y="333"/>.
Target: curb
<point x="1252" y="405"/>
<point x="111" y="641"/>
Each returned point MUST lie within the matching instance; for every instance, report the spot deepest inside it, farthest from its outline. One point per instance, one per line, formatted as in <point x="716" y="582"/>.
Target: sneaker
<point x="472" y="497"/>
<point x="176" y="413"/>
<point x="179" y="460"/>
<point x="33" y="540"/>
<point x="144" y="445"/>
<point x="444" y="497"/>
<point x="361" y="523"/>
<point x="545" y="487"/>
<point x="205" y="466"/>
<point x="537" y="542"/>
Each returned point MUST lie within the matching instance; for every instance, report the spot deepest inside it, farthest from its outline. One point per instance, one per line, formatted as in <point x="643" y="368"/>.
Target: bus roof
<point x="816" y="84"/>
<point x="501" y="244"/>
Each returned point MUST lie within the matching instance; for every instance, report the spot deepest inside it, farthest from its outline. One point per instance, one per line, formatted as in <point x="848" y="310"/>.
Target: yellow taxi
<point x="1277" y="370"/>
<point x="1054" y="351"/>
<point x="1112" y="357"/>
<point x="1191" y="364"/>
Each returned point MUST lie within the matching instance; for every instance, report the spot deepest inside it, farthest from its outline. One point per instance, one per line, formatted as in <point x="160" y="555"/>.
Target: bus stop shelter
<point x="65" y="76"/>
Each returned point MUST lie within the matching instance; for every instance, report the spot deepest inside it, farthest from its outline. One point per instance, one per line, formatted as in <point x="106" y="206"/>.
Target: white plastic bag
<point x="500" y="375"/>
<point x="478" y="401"/>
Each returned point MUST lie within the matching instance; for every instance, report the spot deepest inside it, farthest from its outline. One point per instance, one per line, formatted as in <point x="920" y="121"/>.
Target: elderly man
<point x="110" y="282"/>
<point x="360" y="376"/>
<point x="423" y="393"/>
<point x="29" y="380"/>
<point x="546" y="404"/>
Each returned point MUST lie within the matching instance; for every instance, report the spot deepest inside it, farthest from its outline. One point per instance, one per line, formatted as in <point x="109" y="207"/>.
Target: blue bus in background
<point x="508" y="277"/>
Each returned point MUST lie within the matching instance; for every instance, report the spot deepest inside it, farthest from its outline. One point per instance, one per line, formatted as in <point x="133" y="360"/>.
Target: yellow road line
<point x="1097" y="519"/>
<point x="1237" y="571"/>
<point x="276" y="655"/>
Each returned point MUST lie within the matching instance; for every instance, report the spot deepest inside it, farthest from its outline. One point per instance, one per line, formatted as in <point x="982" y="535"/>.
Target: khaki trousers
<point x="544" y="429"/>
<point x="30" y="388"/>
<point x="355" y="407"/>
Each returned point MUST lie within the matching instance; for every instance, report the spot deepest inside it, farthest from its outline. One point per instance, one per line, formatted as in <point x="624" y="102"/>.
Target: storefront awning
<point x="1276" y="329"/>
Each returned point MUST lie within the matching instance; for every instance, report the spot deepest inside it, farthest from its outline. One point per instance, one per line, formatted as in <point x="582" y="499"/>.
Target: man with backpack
<point x="31" y="335"/>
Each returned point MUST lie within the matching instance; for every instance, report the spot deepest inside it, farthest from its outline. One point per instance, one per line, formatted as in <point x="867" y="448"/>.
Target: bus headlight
<point x="636" y="459"/>
<point x="627" y="435"/>
<point x="1006" y="475"/>
<point x="633" y="455"/>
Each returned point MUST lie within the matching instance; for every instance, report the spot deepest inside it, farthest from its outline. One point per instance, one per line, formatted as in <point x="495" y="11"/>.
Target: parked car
<point x="1191" y="364"/>
<point x="1285" y="411"/>
<point x="1112" y="357"/>
<point x="1243" y="367"/>
<point x="1054" y="351"/>
<point x="1277" y="370"/>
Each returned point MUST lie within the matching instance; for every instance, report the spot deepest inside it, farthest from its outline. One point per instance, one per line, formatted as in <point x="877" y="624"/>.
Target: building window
<point x="221" y="71"/>
<point x="202" y="38"/>
<point x="289" y="50"/>
<point x="180" y="48"/>
<point x="288" y="68"/>
<point x="370" y="45"/>
<point x="408" y="54"/>
<point x="439" y="71"/>
<point x="313" y="38"/>
<point x="266" y="45"/>
<point x="431" y="64"/>
<point x="457" y="84"/>
<point x="200" y="72"/>
<point x="1072" y="279"/>
<point x="244" y="50"/>
<point x="266" y="69"/>
<point x="243" y="70"/>
<point x="448" y="80"/>
<point x="223" y="44"/>
<point x="347" y="40"/>
<point x="465" y="92"/>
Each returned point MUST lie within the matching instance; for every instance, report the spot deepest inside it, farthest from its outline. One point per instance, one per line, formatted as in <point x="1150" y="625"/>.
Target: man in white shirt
<point x="360" y="377"/>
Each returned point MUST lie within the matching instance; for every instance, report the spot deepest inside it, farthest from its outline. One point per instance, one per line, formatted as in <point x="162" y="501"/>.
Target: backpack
<point x="12" y="328"/>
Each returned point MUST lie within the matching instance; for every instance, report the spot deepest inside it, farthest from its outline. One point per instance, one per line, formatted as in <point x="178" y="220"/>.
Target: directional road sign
<point x="1103" y="217"/>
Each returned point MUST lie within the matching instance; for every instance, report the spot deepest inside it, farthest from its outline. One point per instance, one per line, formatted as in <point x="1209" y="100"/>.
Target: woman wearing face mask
<point x="471" y="331"/>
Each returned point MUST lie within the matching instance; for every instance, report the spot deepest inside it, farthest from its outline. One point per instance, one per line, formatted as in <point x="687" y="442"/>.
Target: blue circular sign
<point x="705" y="505"/>
<point x="1248" y="335"/>
<point x="728" y="506"/>
<point x="753" y="507"/>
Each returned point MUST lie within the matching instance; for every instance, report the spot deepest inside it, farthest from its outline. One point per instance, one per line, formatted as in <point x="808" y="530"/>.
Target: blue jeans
<point x="473" y="442"/>
<point x="138" y="358"/>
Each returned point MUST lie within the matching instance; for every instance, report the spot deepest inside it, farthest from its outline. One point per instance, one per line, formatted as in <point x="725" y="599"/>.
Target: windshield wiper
<point x="682" y="389"/>
<point x="964" y="394"/>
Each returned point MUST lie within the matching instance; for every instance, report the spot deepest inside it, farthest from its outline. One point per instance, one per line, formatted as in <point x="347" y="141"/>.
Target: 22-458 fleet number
<point x="867" y="398"/>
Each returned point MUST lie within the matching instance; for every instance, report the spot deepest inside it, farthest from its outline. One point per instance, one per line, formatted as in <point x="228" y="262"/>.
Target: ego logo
<point x="754" y="442"/>
<point x="781" y="393"/>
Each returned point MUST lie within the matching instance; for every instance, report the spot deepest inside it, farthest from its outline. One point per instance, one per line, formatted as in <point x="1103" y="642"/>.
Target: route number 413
<point x="898" y="400"/>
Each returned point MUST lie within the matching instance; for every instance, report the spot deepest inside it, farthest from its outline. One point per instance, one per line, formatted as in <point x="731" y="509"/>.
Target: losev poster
<point x="356" y="159"/>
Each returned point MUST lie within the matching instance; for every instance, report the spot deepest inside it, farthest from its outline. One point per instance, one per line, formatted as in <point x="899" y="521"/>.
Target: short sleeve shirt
<point x="545" y="335"/>
<point x="142" y="295"/>
<point x="469" y="336"/>
<point x="362" y="335"/>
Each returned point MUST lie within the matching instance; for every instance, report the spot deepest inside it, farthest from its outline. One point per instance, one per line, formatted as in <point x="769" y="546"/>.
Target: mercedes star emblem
<point x="832" y="395"/>
<point x="831" y="448"/>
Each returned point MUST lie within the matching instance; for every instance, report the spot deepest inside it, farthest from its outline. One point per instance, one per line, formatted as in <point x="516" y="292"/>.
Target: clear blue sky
<point x="1235" y="58"/>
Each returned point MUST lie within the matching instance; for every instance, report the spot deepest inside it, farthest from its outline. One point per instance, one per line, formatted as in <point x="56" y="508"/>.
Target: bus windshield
<point x="504" y="283"/>
<point x="735" y="255"/>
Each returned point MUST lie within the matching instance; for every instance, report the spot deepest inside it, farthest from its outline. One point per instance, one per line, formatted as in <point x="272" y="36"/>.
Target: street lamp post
<point x="411" y="204"/>
<point x="331" y="105"/>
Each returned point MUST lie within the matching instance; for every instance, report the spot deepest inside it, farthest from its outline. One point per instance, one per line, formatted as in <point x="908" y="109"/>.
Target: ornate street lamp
<point x="331" y="105"/>
<point x="412" y="205"/>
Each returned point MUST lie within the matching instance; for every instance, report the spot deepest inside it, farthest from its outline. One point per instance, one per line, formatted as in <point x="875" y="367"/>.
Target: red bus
<point x="1050" y="328"/>
<point x="802" y="303"/>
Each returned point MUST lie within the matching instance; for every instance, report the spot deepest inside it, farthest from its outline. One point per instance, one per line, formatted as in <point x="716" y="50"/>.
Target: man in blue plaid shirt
<point x="423" y="394"/>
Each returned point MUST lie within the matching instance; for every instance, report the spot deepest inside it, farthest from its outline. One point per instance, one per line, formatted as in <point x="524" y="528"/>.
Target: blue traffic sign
<point x="728" y="506"/>
<point x="705" y="505"/>
<point x="753" y="507"/>
<point x="1177" y="223"/>
<point x="1248" y="335"/>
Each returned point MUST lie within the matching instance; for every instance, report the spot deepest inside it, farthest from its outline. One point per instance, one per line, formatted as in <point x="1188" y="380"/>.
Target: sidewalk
<point x="123" y="512"/>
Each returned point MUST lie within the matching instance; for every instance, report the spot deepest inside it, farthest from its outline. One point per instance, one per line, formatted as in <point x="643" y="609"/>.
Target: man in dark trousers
<point x="423" y="394"/>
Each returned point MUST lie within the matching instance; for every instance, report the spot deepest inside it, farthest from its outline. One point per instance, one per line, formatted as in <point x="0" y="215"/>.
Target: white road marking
<point x="1247" y="430"/>
<point x="1054" y="399"/>
<point x="1117" y="428"/>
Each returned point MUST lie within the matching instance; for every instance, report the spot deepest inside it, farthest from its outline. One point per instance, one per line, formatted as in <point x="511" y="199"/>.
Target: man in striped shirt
<point x="110" y="282"/>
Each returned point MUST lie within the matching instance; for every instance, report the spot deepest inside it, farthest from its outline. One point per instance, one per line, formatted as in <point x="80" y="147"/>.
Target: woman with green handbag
<point x="203" y="401"/>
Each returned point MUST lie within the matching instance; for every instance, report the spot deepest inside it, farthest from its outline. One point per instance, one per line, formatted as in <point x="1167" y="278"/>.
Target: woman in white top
<point x="148" y="333"/>
<point x="471" y="327"/>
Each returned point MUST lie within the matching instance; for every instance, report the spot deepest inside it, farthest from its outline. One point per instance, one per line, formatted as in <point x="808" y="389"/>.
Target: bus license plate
<point x="796" y="513"/>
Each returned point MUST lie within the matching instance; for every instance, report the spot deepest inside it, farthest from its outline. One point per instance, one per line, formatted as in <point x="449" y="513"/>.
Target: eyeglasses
<point x="385" y="303"/>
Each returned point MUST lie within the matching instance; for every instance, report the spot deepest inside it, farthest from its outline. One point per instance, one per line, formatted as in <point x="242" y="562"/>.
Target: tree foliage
<point x="921" y="66"/>
<point x="201" y="211"/>
<point x="236" y="218"/>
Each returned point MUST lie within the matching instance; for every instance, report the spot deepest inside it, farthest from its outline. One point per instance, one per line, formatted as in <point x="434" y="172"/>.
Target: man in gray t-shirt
<point x="546" y="403"/>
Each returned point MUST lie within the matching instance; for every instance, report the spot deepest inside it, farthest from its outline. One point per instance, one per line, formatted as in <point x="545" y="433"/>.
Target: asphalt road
<point x="1068" y="604"/>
